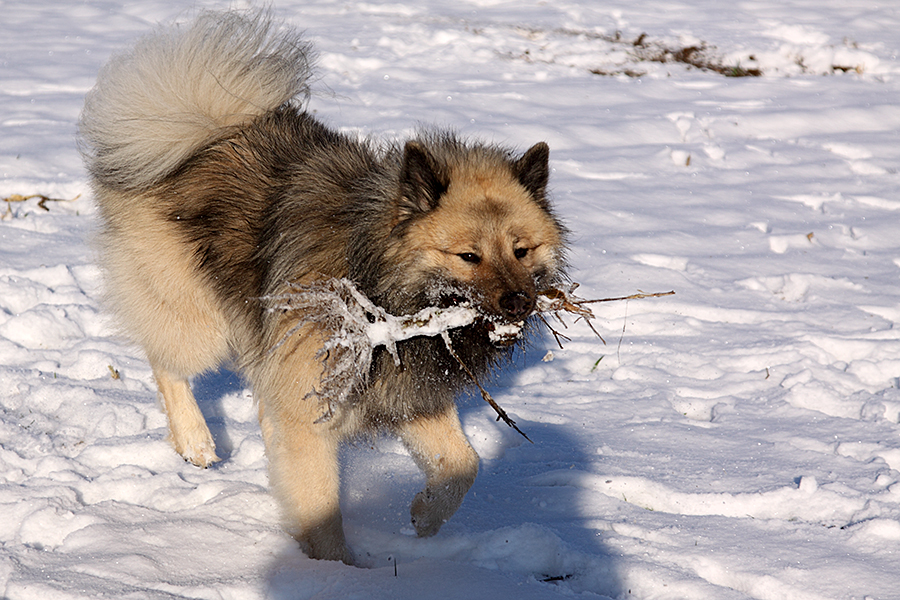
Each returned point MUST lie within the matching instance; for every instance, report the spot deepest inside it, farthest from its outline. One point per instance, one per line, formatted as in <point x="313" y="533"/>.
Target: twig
<point x="622" y="336"/>
<point x="631" y="297"/>
<point x="41" y="203"/>
<point x="557" y="300"/>
<point x="501" y="414"/>
<point x="556" y="334"/>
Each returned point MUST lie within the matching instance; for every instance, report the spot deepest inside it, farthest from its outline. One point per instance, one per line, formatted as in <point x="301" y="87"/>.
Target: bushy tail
<point x="156" y="105"/>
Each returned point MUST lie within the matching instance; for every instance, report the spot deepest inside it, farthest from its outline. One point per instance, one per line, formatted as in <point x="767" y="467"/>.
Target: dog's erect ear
<point x="421" y="183"/>
<point x="533" y="171"/>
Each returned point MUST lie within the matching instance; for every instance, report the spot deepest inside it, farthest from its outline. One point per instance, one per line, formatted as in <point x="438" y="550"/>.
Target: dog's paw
<point x="336" y="552"/>
<point x="194" y="444"/>
<point x="427" y="513"/>
<point x="326" y="543"/>
<point x="202" y="454"/>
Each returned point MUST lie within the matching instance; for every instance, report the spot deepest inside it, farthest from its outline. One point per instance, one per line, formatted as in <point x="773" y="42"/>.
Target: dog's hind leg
<point x="440" y="448"/>
<point x="188" y="431"/>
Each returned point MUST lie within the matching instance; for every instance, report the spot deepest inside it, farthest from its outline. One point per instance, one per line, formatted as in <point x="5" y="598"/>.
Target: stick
<point x="501" y="414"/>
<point x="631" y="297"/>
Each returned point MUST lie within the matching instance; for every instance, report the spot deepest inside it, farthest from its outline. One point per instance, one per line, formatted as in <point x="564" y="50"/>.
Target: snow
<point x="736" y="440"/>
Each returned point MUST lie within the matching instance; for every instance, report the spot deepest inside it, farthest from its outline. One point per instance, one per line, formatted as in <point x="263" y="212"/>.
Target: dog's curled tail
<point x="180" y="87"/>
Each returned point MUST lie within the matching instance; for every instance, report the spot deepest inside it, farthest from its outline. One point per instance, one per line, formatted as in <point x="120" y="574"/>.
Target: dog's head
<point x="480" y="226"/>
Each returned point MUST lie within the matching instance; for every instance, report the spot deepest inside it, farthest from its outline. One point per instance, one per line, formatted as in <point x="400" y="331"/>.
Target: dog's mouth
<point x="505" y="334"/>
<point x="452" y="299"/>
<point x="501" y="332"/>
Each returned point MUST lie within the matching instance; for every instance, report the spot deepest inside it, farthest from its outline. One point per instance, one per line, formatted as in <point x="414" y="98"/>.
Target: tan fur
<point x="440" y="448"/>
<point x="159" y="295"/>
<point x="216" y="191"/>
<point x="188" y="432"/>
<point x="487" y="213"/>
<point x="210" y="55"/>
<point x="162" y="301"/>
<point x="303" y="462"/>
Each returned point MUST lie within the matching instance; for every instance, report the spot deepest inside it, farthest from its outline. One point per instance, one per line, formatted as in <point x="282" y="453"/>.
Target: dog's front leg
<point x="304" y="471"/>
<point x="304" y="474"/>
<point x="440" y="448"/>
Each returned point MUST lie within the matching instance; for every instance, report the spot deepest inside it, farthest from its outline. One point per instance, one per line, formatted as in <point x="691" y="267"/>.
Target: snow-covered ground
<point x="737" y="440"/>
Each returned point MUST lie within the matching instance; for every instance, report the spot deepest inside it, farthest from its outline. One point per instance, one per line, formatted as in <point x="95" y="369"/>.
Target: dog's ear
<point x="533" y="171"/>
<point x="421" y="183"/>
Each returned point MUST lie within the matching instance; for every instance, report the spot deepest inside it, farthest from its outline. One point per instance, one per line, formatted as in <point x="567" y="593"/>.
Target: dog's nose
<point x="516" y="305"/>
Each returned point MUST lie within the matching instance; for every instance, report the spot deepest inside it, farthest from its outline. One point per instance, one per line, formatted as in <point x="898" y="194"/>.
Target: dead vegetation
<point x="641" y="49"/>
<point x="618" y="55"/>
<point x="41" y="203"/>
<point x="699" y="56"/>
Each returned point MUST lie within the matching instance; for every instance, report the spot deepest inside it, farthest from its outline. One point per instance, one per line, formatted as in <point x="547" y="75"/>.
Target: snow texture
<point x="737" y="440"/>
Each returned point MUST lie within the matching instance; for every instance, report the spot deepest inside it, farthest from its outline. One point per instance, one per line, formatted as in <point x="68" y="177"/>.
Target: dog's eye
<point x="520" y="253"/>
<point x="470" y="257"/>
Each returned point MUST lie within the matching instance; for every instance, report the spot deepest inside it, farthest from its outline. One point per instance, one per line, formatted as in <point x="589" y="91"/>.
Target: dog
<point x="216" y="190"/>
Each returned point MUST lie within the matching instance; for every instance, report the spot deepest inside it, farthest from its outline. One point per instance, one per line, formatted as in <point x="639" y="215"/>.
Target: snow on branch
<point x="357" y="326"/>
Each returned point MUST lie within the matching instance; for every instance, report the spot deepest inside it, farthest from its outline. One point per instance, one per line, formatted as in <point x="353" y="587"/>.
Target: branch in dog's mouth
<point x="358" y="326"/>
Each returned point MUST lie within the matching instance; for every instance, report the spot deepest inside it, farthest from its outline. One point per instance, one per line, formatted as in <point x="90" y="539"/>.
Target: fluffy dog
<point x="216" y="190"/>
